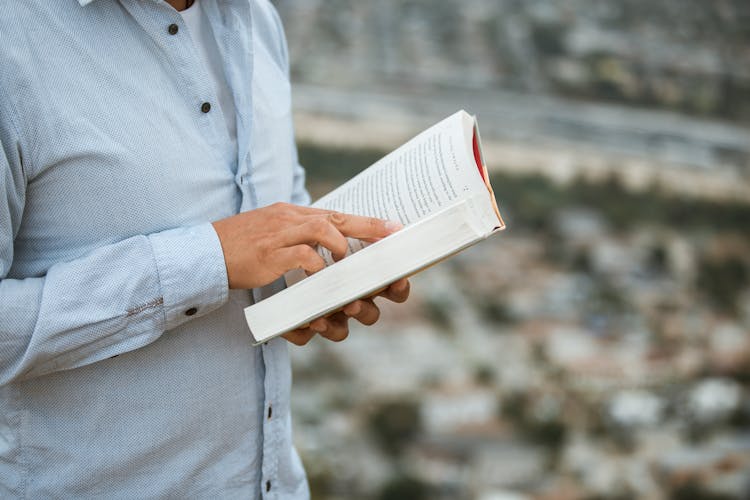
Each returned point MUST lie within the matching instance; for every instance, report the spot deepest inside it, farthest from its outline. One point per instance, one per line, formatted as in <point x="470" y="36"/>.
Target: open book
<point x="436" y="185"/>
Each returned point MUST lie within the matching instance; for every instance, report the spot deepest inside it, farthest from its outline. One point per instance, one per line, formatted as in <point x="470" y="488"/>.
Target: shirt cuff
<point x="192" y="272"/>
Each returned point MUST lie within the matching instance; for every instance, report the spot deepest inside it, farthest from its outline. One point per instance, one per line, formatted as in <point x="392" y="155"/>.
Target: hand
<point x="336" y="327"/>
<point x="261" y="245"/>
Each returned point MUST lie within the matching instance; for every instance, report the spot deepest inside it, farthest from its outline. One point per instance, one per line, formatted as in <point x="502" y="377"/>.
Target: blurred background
<point x="600" y="347"/>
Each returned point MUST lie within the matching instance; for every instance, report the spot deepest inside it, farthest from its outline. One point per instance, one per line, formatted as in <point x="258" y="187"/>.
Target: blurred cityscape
<point x="600" y="347"/>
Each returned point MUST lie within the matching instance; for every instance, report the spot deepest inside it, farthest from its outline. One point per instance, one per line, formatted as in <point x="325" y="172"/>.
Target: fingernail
<point x="392" y="226"/>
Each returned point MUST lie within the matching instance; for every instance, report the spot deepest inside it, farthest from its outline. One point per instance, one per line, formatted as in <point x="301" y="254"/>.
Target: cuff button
<point x="191" y="311"/>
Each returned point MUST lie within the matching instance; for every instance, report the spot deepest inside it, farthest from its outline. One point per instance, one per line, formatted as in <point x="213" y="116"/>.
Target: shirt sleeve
<point x="116" y="299"/>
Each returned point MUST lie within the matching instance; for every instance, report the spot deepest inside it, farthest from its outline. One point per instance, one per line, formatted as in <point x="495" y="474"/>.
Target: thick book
<point x="436" y="185"/>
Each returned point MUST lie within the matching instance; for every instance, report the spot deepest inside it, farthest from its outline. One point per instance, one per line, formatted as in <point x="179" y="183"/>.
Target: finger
<point x="289" y="211"/>
<point x="315" y="231"/>
<point x="319" y="325"/>
<point x="398" y="291"/>
<point x="337" y="328"/>
<point x="363" y="228"/>
<point x="300" y="336"/>
<point x="298" y="256"/>
<point x="365" y="311"/>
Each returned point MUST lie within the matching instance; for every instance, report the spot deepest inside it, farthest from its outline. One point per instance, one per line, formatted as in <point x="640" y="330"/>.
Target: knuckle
<point x="284" y="209"/>
<point x="309" y="258"/>
<point x="343" y="247"/>
<point x="319" y="264"/>
<point x="336" y="218"/>
<point x="312" y="256"/>
<point x="319" y="325"/>
<point x="302" y="253"/>
<point x="298" y="253"/>
<point x="319" y="228"/>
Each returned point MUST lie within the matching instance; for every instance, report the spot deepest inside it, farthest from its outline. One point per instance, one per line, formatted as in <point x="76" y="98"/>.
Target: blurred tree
<point x="394" y="424"/>
<point x="722" y="280"/>
<point x="484" y="374"/>
<point x="404" y="488"/>
<point x="693" y="490"/>
<point x="438" y="310"/>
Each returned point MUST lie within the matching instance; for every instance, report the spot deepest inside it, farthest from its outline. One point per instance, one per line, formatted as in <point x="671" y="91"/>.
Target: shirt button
<point x="173" y="29"/>
<point x="191" y="311"/>
<point x="268" y="485"/>
<point x="206" y="107"/>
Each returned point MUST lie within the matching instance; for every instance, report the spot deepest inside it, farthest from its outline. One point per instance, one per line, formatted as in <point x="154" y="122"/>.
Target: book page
<point x="431" y="171"/>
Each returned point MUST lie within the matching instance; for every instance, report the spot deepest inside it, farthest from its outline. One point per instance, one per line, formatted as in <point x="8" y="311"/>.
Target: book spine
<point x="482" y="215"/>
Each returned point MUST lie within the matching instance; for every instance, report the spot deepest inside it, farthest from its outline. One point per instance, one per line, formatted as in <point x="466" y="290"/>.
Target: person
<point x="148" y="180"/>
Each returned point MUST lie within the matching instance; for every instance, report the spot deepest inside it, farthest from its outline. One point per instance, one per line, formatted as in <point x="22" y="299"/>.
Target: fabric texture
<point x="126" y="367"/>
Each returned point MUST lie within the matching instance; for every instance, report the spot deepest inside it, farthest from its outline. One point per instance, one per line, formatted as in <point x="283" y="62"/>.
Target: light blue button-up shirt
<point x="110" y="172"/>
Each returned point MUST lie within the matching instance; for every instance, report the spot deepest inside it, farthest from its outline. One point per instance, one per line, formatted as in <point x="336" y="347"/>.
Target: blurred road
<point x="686" y="150"/>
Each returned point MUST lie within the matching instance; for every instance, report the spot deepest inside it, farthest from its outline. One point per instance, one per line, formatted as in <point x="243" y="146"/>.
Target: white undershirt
<point x="208" y="51"/>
